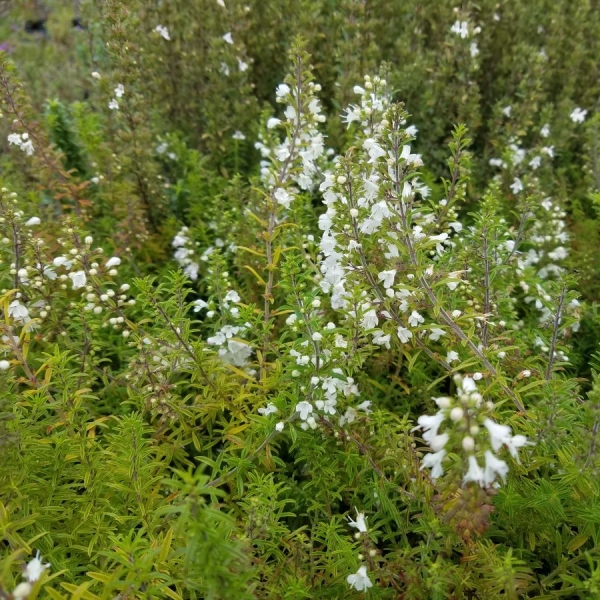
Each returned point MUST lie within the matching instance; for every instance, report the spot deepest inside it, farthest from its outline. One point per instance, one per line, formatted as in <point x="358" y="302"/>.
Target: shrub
<point x="335" y="340"/>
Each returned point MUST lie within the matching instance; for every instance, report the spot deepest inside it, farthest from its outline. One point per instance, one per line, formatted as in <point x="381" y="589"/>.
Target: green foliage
<point x="299" y="299"/>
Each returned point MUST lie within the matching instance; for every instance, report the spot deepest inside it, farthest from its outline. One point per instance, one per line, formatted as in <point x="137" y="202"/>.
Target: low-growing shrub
<point x="312" y="335"/>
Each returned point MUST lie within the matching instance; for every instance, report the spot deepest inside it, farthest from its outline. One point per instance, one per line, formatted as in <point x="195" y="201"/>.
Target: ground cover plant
<point x="299" y="299"/>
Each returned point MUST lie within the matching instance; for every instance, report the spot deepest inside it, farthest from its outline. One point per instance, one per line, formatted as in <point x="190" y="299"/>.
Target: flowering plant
<point x="276" y="328"/>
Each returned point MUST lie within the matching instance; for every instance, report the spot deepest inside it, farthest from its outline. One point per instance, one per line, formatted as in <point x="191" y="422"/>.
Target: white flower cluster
<point x="550" y="238"/>
<point x="373" y="102"/>
<point x="296" y="159"/>
<point x="461" y="29"/>
<point x="33" y="571"/>
<point x="184" y="253"/>
<point x="516" y="156"/>
<point x="324" y="393"/>
<point x="163" y="32"/>
<point x="315" y="361"/>
<point x="547" y="235"/>
<point x="22" y="141"/>
<point x="231" y="348"/>
<point x="224" y="67"/>
<point x="472" y="430"/>
<point x="163" y="148"/>
<point x="119" y="93"/>
<point x="368" y="215"/>
<point x="578" y="115"/>
<point x="44" y="274"/>
<point x="360" y="580"/>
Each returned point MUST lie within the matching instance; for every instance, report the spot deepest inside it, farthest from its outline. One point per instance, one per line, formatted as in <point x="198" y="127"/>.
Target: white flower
<point x="516" y="442"/>
<point x="439" y="441"/>
<point x="375" y="150"/>
<point x="273" y="122"/>
<point x="232" y="296"/>
<point x="78" y="278"/>
<point x="115" y="261"/>
<point x="474" y="49"/>
<point x="96" y="75"/>
<point x="17" y="311"/>
<point x="22" y="141"/>
<point x="268" y="410"/>
<point x="433" y="461"/>
<point x="360" y="522"/>
<point x="506" y="111"/>
<point x="415" y="318"/>
<point x="113" y="105"/>
<point x="499" y="434"/>
<point x="163" y="31"/>
<point x="436" y="334"/>
<point x="360" y="580"/>
<point x="237" y="353"/>
<point x="4" y="365"/>
<point x="404" y="334"/>
<point x="15" y="139"/>
<point x="578" y="115"/>
<point x="452" y="356"/>
<point x="304" y="408"/>
<point x="370" y="319"/>
<point x="364" y="406"/>
<point x="549" y="150"/>
<point x="493" y="467"/>
<point x="238" y="135"/>
<point x="282" y="90"/>
<point x="62" y="261"/>
<point x="382" y="339"/>
<point x="545" y="130"/>
<point x="283" y="197"/>
<point x="119" y="90"/>
<point x="475" y="472"/>
<point x="430" y="425"/>
<point x="516" y="186"/>
<point x="199" y="305"/>
<point x="387" y="277"/>
<point x="460" y="28"/>
<point x="468" y="385"/>
<point x="242" y="65"/>
<point x="35" y="568"/>
<point x="33" y="221"/>
<point x="228" y="38"/>
<point x="279" y="427"/>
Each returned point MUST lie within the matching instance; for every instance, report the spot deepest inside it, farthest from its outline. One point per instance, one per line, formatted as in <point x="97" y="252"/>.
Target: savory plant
<point x="276" y="330"/>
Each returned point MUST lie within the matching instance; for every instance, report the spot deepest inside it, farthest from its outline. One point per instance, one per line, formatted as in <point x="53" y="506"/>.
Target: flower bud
<point x="468" y="443"/>
<point x="457" y="413"/>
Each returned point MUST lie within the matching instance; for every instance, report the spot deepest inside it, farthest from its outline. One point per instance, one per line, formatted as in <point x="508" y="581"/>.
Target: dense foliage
<point x="299" y="299"/>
